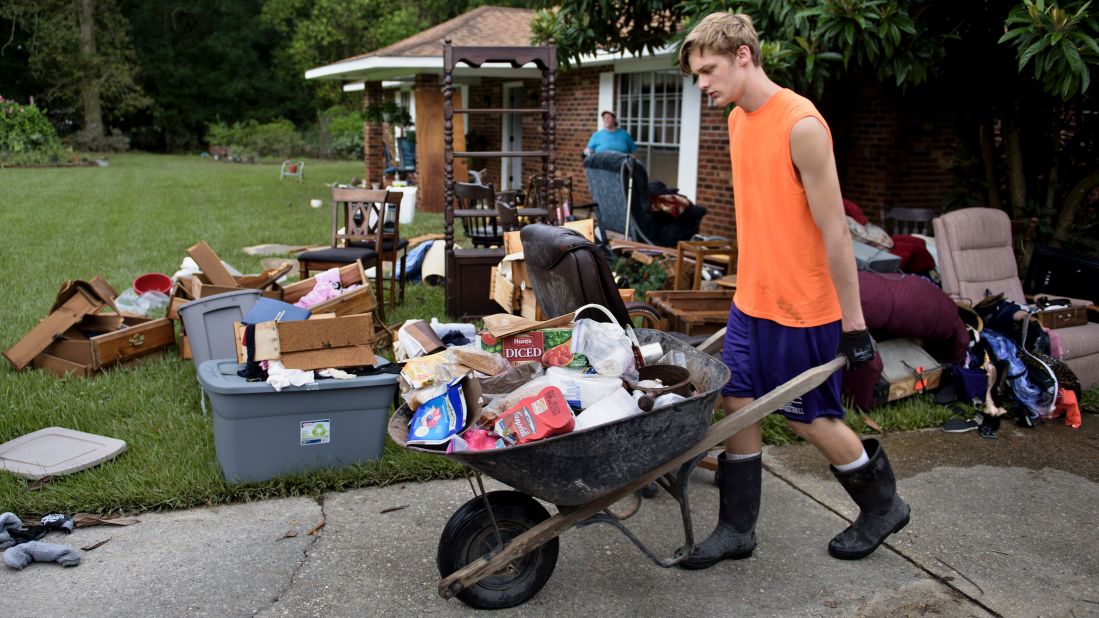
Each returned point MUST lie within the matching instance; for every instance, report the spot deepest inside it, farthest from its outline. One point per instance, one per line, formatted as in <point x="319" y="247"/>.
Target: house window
<point x="649" y="107"/>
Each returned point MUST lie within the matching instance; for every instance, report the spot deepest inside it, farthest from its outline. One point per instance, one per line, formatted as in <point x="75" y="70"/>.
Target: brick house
<point x="890" y="152"/>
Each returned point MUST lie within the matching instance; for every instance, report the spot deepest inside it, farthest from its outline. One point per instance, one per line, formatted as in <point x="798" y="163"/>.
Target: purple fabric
<point x="762" y="355"/>
<point x="896" y="305"/>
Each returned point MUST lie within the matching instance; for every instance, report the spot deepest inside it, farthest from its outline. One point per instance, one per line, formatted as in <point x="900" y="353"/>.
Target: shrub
<point x="113" y="142"/>
<point x="345" y="128"/>
<point x="249" y="140"/>
<point x="26" y="135"/>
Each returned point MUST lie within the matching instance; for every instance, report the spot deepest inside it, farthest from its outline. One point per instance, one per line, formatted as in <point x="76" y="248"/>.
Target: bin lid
<point x="220" y="376"/>
<point x="54" y="451"/>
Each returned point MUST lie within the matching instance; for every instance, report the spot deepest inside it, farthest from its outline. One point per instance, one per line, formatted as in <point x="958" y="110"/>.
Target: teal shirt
<point x="618" y="140"/>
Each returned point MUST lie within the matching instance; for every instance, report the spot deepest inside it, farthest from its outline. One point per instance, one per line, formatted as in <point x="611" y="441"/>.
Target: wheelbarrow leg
<point x="676" y="485"/>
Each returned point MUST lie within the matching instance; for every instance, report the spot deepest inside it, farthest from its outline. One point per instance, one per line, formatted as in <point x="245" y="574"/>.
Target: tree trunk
<point x="988" y="154"/>
<point x="89" y="80"/>
<point x="1016" y="178"/>
<point x="1066" y="219"/>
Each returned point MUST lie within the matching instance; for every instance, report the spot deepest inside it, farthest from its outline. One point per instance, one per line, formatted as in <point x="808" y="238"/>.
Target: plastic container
<point x="153" y="282"/>
<point x="260" y="433"/>
<point x="616" y="406"/>
<point x="209" y="323"/>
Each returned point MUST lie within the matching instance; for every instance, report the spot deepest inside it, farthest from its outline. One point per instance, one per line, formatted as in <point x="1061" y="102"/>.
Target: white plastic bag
<point x="607" y="347"/>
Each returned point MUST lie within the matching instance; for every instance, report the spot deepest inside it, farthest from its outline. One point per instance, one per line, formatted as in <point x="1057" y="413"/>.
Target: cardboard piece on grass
<point x="211" y="265"/>
<point x="55" y="451"/>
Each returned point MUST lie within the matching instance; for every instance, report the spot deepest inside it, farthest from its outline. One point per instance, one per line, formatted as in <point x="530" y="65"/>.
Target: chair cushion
<point x="1079" y="341"/>
<point x="344" y="255"/>
<point x="387" y="244"/>
<point x="975" y="254"/>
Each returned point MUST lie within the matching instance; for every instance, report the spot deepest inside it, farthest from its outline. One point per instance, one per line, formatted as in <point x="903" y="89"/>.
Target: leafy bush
<point x="345" y="130"/>
<point x="115" y="142"/>
<point x="250" y="140"/>
<point x="26" y="135"/>
<point x="629" y="273"/>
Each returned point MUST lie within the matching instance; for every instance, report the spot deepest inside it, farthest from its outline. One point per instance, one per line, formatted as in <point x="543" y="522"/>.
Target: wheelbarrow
<point x="500" y="548"/>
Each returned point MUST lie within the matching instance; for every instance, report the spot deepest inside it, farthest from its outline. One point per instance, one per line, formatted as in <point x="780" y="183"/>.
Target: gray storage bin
<point x="208" y="323"/>
<point x="260" y="433"/>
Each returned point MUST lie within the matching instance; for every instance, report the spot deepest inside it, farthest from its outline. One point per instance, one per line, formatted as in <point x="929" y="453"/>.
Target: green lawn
<point x="139" y="215"/>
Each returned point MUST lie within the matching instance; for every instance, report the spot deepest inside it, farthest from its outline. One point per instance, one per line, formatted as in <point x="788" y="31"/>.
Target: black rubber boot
<point x="734" y="538"/>
<point x="882" y="512"/>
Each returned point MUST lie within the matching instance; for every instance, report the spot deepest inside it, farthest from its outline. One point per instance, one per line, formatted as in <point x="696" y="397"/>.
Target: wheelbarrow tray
<point x="578" y="467"/>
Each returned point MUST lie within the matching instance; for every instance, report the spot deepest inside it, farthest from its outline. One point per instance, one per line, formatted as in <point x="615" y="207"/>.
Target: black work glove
<point x="858" y="346"/>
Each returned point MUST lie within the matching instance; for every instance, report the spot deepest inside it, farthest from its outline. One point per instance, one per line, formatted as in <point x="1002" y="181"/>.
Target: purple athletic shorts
<point x="762" y="355"/>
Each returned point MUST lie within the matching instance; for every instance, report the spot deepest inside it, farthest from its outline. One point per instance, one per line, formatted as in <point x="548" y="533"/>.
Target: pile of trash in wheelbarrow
<point x="534" y="380"/>
<point x="564" y="412"/>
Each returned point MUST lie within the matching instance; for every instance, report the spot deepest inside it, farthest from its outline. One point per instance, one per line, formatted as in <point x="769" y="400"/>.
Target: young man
<point x="797" y="299"/>
<point x="610" y="137"/>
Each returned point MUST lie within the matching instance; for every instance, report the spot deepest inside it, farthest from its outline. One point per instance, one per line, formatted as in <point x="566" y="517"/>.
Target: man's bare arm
<point x="811" y="151"/>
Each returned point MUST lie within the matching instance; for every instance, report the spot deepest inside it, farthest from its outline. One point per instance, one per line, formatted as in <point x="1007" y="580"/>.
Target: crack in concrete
<point x="939" y="578"/>
<point x="304" y="560"/>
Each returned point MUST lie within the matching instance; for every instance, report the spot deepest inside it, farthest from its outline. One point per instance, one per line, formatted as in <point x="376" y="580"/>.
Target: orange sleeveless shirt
<point x="782" y="267"/>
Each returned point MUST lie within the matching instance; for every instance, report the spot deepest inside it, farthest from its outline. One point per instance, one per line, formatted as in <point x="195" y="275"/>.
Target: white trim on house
<point x="606" y="97"/>
<point x="689" y="128"/>
<point x="391" y="67"/>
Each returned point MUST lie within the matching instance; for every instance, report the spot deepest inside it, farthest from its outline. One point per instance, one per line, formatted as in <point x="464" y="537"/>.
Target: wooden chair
<point x="908" y="221"/>
<point x="691" y="255"/>
<point x="562" y="190"/>
<point x="482" y="221"/>
<point x="370" y="219"/>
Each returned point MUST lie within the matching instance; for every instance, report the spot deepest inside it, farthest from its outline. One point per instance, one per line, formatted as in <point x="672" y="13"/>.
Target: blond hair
<point x="720" y="33"/>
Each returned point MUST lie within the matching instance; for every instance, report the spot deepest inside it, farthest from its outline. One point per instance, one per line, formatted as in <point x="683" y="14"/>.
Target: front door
<point x="511" y="168"/>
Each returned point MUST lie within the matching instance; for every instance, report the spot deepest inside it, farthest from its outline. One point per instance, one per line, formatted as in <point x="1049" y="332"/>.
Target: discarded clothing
<point x="328" y="286"/>
<point x="279" y="377"/>
<point x="13" y="533"/>
<point x="36" y="551"/>
<point x="1035" y="400"/>
<point x="1068" y="406"/>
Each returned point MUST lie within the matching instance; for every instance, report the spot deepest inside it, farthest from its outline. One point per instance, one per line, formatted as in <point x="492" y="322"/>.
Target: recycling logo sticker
<point x="316" y="432"/>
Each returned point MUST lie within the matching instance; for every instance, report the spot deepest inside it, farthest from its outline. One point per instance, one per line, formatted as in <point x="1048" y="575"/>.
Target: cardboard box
<point x="358" y="301"/>
<point x="529" y="347"/>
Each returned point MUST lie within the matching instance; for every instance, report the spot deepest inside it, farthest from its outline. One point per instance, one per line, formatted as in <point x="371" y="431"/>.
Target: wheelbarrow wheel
<point x="470" y="535"/>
